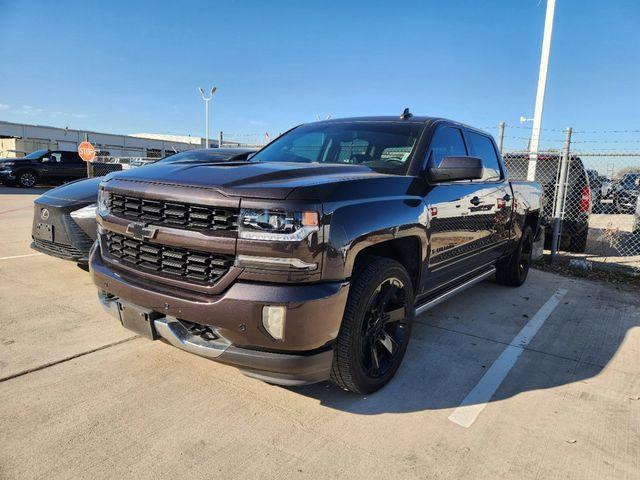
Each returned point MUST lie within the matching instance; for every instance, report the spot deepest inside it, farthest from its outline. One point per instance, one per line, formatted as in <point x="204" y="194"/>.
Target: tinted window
<point x="55" y="157"/>
<point x="446" y="142"/>
<point x="71" y="157"/>
<point x="482" y="147"/>
<point x="381" y="146"/>
<point x="630" y="179"/>
<point x="307" y="146"/>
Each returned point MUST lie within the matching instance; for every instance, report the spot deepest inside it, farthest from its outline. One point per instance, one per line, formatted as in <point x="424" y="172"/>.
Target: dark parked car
<point x="575" y="226"/>
<point x="64" y="221"/>
<point x="625" y="195"/>
<point x="310" y="260"/>
<point x="42" y="166"/>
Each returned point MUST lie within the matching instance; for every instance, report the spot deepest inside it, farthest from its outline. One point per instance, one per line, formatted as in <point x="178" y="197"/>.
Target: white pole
<point x="206" y="112"/>
<point x="542" y="85"/>
<point x="206" y="123"/>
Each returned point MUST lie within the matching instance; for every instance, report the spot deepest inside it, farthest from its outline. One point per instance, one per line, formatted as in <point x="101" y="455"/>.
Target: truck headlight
<point x="276" y="226"/>
<point x="103" y="202"/>
<point x="85" y="212"/>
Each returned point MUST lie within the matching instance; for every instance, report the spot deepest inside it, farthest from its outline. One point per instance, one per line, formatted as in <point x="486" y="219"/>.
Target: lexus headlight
<point x="276" y="225"/>
<point x="103" y="202"/>
<point x="7" y="164"/>
<point x="85" y="212"/>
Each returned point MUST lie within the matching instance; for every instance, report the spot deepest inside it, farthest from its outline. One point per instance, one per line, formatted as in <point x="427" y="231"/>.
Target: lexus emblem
<point x="140" y="231"/>
<point x="44" y="214"/>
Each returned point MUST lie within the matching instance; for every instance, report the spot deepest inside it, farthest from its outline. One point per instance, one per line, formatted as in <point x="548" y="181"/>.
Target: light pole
<point x="206" y="113"/>
<point x="542" y="85"/>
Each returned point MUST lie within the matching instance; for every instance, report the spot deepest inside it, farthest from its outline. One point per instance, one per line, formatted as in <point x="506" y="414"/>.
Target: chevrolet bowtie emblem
<point x="140" y="231"/>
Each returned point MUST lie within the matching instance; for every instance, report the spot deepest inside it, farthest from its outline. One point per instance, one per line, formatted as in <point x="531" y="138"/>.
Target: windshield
<point x="630" y="179"/>
<point x="382" y="146"/>
<point x="200" y="156"/>
<point x="35" y="155"/>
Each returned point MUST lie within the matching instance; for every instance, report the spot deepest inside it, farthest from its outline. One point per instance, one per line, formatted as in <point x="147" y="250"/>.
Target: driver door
<point x="52" y="167"/>
<point x="460" y="216"/>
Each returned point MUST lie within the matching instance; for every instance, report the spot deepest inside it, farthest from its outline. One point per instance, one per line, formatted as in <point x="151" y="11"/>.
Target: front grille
<point x="60" y="248"/>
<point x="174" y="214"/>
<point x="202" y="267"/>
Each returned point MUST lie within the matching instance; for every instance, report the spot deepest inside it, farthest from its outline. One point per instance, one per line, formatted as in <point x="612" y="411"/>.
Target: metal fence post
<point x="220" y="139"/>
<point x="560" y="194"/>
<point x="500" y="136"/>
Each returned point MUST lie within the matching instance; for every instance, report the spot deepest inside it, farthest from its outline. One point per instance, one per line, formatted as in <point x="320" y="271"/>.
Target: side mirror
<point x="456" y="168"/>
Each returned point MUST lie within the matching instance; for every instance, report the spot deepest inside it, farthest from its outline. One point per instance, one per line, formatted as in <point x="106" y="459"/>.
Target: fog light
<point x="273" y="317"/>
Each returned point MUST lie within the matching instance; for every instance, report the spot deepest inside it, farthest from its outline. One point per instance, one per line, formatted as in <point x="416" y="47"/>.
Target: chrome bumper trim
<point x="174" y="332"/>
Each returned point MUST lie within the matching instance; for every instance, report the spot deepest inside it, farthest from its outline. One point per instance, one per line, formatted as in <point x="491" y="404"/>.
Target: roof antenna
<point x="406" y="115"/>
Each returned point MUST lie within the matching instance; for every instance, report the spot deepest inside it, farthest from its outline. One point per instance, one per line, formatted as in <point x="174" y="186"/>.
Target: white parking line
<point x="21" y="256"/>
<point x="477" y="399"/>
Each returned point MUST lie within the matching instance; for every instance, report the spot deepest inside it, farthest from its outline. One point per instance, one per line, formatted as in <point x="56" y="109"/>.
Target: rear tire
<point x="513" y="270"/>
<point x="578" y="242"/>
<point x="375" y="327"/>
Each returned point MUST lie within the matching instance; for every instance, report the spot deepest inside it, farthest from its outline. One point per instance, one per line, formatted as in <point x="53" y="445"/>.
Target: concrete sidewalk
<point x="83" y="398"/>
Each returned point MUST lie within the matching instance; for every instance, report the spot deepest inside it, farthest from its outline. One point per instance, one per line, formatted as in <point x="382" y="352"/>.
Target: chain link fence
<point x="591" y="184"/>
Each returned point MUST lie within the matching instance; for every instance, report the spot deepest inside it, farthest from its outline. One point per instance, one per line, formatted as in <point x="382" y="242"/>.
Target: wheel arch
<point x="405" y="250"/>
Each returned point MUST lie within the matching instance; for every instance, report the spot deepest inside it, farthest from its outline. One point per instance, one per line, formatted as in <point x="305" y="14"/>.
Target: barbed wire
<point x="530" y="127"/>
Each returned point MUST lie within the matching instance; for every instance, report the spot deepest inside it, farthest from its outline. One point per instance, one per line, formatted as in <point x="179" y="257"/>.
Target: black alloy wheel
<point x="384" y="328"/>
<point x="27" y="179"/>
<point x="376" y="326"/>
<point x="514" y="269"/>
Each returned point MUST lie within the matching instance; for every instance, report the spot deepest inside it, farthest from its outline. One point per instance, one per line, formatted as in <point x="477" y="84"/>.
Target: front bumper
<point x="278" y="368"/>
<point x="7" y="177"/>
<point x="72" y="239"/>
<point x="314" y="314"/>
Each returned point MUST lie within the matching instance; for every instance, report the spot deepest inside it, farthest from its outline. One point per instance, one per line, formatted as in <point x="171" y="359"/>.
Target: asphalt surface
<point x="547" y="377"/>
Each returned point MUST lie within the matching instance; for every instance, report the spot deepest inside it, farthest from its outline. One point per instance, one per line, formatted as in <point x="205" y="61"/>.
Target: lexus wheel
<point x="27" y="179"/>
<point x="375" y="328"/>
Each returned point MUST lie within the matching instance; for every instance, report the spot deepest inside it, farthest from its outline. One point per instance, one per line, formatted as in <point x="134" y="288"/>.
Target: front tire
<point x="27" y="179"/>
<point x="375" y="327"/>
<point x="513" y="270"/>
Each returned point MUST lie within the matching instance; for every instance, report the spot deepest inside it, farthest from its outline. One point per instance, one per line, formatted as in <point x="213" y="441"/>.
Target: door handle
<point x="476" y="201"/>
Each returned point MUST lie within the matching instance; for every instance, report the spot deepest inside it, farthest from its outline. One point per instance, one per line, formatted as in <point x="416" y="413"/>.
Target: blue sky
<point x="135" y="66"/>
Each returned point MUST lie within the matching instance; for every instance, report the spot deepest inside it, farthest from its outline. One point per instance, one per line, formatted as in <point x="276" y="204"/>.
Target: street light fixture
<point x="206" y="112"/>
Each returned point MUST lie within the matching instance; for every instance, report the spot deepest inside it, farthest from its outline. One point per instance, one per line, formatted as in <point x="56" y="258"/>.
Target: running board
<point x="445" y="296"/>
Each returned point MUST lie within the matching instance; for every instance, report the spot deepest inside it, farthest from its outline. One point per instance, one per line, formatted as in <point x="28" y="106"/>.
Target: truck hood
<point x="274" y="180"/>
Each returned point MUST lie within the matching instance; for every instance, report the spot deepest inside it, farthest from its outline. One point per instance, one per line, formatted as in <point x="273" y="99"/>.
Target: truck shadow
<point x="453" y="345"/>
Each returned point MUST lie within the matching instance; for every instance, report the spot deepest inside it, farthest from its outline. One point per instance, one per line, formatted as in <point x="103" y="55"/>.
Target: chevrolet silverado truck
<point x="309" y="260"/>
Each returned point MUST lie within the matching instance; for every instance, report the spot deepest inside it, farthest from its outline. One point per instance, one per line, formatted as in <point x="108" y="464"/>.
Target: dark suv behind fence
<point x="625" y="197"/>
<point x="575" y="226"/>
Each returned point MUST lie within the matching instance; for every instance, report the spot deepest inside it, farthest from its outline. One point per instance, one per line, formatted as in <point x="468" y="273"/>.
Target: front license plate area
<point x="138" y="320"/>
<point x="44" y="231"/>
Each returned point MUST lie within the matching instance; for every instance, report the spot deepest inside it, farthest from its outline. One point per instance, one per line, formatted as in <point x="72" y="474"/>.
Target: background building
<point x="19" y="139"/>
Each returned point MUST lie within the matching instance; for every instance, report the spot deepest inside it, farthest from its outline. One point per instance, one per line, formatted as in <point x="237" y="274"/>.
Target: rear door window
<point x="482" y="147"/>
<point x="71" y="157"/>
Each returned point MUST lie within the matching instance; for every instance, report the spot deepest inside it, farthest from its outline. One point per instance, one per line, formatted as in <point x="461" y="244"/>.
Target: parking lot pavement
<point x="98" y="403"/>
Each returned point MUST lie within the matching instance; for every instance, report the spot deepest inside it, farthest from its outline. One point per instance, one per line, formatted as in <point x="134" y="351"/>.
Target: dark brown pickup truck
<point x="309" y="260"/>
